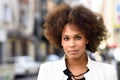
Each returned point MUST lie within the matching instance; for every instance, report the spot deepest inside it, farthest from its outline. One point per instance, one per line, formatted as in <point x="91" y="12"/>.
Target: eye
<point x="77" y="37"/>
<point x="65" y="38"/>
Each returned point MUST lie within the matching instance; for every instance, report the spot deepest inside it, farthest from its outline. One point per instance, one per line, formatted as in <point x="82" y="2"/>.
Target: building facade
<point x="17" y="20"/>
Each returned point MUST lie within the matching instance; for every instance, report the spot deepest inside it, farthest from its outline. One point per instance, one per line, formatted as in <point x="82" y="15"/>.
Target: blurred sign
<point x="116" y="13"/>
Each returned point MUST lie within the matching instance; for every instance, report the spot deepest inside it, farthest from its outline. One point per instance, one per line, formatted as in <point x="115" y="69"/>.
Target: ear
<point x="87" y="42"/>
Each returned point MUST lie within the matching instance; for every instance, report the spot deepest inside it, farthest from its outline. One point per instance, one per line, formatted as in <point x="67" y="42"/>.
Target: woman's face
<point x="73" y="42"/>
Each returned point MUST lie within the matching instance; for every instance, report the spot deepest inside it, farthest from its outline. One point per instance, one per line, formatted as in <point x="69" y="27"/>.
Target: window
<point x="24" y="48"/>
<point x="13" y="48"/>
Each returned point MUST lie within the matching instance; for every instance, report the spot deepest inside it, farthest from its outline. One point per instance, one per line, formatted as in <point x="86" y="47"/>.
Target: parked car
<point x="25" y="65"/>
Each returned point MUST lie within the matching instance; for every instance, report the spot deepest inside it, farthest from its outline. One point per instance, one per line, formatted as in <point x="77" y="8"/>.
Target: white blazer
<point x="97" y="71"/>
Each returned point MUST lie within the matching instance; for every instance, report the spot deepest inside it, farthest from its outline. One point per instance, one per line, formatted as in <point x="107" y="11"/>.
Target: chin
<point x="73" y="57"/>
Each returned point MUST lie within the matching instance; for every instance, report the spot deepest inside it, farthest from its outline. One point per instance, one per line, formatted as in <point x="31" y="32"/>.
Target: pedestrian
<point x="76" y="30"/>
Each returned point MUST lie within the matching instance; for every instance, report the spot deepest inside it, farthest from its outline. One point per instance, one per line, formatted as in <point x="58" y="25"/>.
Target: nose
<point x="72" y="43"/>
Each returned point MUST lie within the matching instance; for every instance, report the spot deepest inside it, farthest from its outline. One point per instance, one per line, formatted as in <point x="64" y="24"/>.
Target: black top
<point x="69" y="74"/>
<point x="82" y="78"/>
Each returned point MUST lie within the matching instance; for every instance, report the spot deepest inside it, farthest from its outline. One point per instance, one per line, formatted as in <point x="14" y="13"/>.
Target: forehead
<point x="71" y="29"/>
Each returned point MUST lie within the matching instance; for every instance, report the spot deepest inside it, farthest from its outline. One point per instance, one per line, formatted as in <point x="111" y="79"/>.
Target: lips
<point x="73" y="52"/>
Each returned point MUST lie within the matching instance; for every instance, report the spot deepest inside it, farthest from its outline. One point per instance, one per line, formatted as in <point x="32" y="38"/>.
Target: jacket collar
<point x="63" y="66"/>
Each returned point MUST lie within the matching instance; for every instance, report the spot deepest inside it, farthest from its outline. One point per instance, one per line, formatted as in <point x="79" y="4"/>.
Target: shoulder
<point x="103" y="70"/>
<point x="107" y="69"/>
<point x="103" y="65"/>
<point x="50" y="65"/>
<point x="46" y="68"/>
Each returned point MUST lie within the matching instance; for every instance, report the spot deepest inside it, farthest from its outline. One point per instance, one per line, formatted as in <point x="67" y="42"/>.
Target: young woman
<point x="76" y="30"/>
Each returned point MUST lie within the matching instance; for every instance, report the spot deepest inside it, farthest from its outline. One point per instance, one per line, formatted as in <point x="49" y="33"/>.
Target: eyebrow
<point x="74" y="35"/>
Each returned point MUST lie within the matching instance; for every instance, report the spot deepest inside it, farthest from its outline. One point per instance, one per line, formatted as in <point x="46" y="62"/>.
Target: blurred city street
<point x="23" y="46"/>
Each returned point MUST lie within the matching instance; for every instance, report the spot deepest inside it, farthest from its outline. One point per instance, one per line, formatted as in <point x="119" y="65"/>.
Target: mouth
<point x="73" y="52"/>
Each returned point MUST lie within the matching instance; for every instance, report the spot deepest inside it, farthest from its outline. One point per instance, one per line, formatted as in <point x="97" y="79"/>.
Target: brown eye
<point x="66" y="38"/>
<point x="77" y="37"/>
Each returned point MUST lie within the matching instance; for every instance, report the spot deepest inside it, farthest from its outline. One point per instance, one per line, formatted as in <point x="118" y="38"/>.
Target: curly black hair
<point x="88" y="22"/>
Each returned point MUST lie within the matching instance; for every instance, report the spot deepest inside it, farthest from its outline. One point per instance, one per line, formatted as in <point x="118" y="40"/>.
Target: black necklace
<point x="75" y="76"/>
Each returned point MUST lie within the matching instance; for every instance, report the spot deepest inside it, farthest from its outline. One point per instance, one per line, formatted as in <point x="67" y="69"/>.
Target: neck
<point x="77" y="66"/>
<point x="81" y="62"/>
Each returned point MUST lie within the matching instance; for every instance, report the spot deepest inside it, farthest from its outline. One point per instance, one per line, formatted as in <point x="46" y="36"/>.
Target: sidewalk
<point x="6" y="72"/>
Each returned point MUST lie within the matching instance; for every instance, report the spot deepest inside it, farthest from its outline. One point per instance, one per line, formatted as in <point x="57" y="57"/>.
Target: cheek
<point x="64" y="45"/>
<point x="82" y="45"/>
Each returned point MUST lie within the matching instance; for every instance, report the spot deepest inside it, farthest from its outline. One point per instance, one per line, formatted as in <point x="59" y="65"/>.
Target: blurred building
<point x="112" y="19"/>
<point x="21" y="29"/>
<point x="17" y="21"/>
<point x="5" y="24"/>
